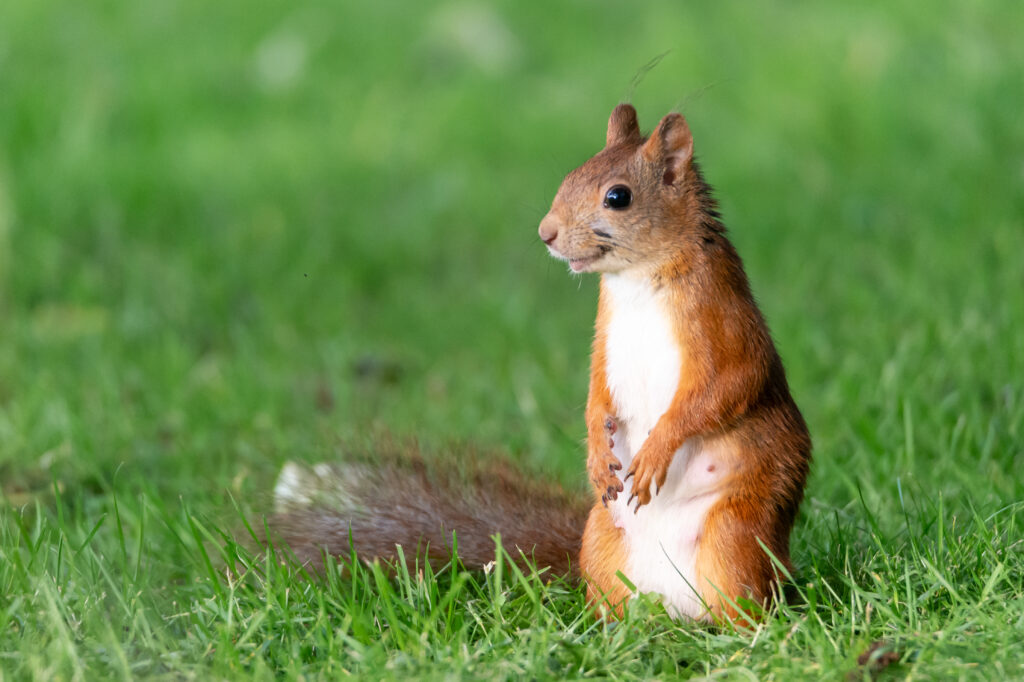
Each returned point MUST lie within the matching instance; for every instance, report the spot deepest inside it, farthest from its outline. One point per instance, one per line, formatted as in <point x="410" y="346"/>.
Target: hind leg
<point x="731" y="563"/>
<point x="602" y="555"/>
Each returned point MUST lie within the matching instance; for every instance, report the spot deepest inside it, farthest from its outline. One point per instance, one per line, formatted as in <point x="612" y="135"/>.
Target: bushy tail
<point x="372" y="507"/>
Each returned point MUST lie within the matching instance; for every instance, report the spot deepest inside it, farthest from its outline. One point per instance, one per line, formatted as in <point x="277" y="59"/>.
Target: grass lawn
<point x="234" y="234"/>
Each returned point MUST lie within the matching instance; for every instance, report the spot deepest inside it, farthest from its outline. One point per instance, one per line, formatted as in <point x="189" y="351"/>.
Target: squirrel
<point x="696" y="451"/>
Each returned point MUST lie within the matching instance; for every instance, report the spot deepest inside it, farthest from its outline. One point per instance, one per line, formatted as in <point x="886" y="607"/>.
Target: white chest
<point x="643" y="357"/>
<point x="644" y="365"/>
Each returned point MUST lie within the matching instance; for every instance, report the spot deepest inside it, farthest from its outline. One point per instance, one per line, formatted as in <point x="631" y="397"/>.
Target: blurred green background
<point x="237" y="233"/>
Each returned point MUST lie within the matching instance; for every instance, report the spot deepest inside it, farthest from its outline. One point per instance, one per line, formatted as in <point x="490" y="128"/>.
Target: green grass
<point x="234" y="233"/>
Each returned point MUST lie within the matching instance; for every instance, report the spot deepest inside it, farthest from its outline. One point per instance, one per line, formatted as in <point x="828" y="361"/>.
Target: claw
<point x="609" y="425"/>
<point x="632" y="496"/>
<point x="632" y="471"/>
<point x="614" y="466"/>
<point x="604" y="501"/>
<point x="611" y="443"/>
<point x="612" y="493"/>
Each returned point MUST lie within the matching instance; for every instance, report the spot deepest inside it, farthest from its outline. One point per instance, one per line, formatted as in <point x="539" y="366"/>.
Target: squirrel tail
<point x="372" y="507"/>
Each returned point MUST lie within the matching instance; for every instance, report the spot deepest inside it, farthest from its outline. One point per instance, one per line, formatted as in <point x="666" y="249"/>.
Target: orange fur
<point x="603" y="553"/>
<point x="601" y="463"/>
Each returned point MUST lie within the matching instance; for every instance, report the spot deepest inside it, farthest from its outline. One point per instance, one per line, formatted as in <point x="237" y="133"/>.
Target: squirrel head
<point x="634" y="204"/>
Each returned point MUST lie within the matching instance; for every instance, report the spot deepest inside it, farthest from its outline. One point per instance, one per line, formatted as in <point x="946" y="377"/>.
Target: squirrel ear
<point x="671" y="145"/>
<point x="622" y="125"/>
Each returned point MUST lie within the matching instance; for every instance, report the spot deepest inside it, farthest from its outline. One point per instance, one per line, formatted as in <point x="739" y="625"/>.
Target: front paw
<point x="601" y="466"/>
<point x="649" y="466"/>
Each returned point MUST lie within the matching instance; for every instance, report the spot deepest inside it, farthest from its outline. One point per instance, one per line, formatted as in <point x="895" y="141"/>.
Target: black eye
<point x="618" y="198"/>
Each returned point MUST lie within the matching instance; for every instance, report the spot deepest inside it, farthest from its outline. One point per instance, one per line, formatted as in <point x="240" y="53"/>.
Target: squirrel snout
<point x="548" y="230"/>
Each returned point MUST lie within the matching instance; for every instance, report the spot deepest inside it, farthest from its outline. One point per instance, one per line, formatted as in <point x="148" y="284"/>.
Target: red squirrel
<point x="695" y="449"/>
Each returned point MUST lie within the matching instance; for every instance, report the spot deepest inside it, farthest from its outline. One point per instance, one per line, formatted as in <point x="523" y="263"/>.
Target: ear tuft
<point x="671" y="146"/>
<point x="622" y="126"/>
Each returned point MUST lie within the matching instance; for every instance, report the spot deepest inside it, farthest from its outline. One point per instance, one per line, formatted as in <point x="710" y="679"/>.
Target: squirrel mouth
<point x="581" y="264"/>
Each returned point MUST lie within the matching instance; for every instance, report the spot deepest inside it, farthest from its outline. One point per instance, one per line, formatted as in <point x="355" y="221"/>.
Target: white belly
<point x="644" y="364"/>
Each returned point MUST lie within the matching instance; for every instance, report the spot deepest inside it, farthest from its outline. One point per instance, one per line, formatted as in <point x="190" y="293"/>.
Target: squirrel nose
<point x="548" y="230"/>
